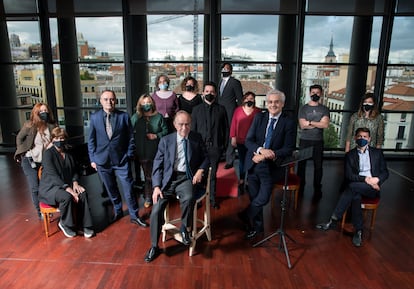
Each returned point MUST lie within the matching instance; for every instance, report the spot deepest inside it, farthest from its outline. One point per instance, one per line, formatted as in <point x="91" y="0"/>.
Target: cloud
<point x="245" y="35"/>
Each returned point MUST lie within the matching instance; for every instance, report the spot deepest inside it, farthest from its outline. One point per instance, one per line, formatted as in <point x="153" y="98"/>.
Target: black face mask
<point x="225" y="73"/>
<point x="315" y="97"/>
<point x="367" y="107"/>
<point x="209" y="97"/>
<point x="60" y="144"/>
<point x="189" y="88"/>
<point x="44" y="116"/>
<point x="249" y="103"/>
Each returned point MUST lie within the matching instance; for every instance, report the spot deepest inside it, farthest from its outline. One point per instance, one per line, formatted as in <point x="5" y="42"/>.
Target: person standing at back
<point x="230" y="96"/>
<point x="111" y="148"/>
<point x="209" y="119"/>
<point x="313" y="118"/>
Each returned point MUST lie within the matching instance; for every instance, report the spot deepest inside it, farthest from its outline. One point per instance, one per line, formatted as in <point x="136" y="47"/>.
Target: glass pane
<point x="24" y="37"/>
<point x="21" y="6"/>
<point x="405" y="6"/>
<point x="174" y="5"/>
<point x="350" y="6"/>
<point x="322" y="44"/>
<point x="175" y="37"/>
<point x="242" y="40"/>
<point x="402" y="41"/>
<point x="93" y="41"/>
<point x="259" y="5"/>
<point x="98" y="6"/>
<point x="54" y="39"/>
<point x="375" y="39"/>
<point x="398" y="130"/>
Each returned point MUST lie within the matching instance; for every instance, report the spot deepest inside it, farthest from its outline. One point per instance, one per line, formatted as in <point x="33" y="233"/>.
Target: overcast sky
<point x="245" y="35"/>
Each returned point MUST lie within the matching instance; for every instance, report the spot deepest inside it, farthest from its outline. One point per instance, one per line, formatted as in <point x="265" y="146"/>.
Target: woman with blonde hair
<point x="149" y="126"/>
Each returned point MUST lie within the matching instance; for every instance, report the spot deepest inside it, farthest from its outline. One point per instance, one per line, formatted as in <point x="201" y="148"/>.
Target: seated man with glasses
<point x="179" y="164"/>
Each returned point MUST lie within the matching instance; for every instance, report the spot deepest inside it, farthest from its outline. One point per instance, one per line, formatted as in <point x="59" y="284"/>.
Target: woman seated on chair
<point x="59" y="187"/>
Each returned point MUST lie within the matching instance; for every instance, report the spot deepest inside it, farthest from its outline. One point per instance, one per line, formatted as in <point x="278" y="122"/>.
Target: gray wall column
<point x="9" y="116"/>
<point x="71" y="89"/>
<point x="136" y="58"/>
<point x="286" y="54"/>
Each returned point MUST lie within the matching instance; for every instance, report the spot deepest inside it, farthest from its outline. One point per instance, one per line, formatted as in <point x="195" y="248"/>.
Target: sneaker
<point x="357" y="239"/>
<point x="88" y="233"/>
<point x="67" y="231"/>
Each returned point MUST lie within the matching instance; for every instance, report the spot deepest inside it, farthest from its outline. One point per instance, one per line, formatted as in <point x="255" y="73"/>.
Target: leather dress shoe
<point x="251" y="234"/>
<point x="140" y="222"/>
<point x="152" y="253"/>
<point x="117" y="217"/>
<point x="331" y="225"/>
<point x="357" y="239"/>
<point x="186" y="238"/>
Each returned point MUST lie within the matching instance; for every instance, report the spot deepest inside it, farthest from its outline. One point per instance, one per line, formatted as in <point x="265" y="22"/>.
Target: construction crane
<point x="195" y="33"/>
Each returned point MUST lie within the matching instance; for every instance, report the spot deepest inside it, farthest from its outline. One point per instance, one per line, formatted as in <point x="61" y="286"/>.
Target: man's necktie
<point x="222" y="85"/>
<point x="108" y="125"/>
<point x="187" y="164"/>
<point x="269" y="133"/>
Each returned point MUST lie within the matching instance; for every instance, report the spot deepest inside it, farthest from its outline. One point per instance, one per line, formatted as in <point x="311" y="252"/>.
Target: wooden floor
<point x="114" y="258"/>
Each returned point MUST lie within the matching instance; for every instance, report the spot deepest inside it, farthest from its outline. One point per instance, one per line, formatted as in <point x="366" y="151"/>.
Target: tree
<point x="330" y="137"/>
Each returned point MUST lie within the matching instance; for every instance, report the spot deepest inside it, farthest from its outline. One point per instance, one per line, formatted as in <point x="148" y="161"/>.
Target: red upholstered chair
<point x="46" y="210"/>
<point x="367" y="204"/>
<point x="293" y="185"/>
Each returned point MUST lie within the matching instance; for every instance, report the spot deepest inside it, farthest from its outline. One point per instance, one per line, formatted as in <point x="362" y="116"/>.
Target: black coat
<point x="57" y="173"/>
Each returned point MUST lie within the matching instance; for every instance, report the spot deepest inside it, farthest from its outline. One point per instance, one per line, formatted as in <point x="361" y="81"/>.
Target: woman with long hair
<point x="369" y="116"/>
<point x="31" y="142"/>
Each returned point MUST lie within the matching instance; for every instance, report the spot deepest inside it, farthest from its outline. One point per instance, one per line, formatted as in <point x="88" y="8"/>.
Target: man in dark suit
<point x="179" y="164"/>
<point x="365" y="171"/>
<point x="209" y="119"/>
<point x="230" y="96"/>
<point x="111" y="148"/>
<point x="269" y="140"/>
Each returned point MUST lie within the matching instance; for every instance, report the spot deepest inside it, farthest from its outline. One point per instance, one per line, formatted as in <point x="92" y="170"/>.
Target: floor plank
<point x="114" y="257"/>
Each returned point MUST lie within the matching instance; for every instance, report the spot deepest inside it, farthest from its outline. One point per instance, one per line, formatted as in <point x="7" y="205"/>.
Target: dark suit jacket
<point x="219" y="130"/>
<point x="163" y="167"/>
<point x="378" y="165"/>
<point x="232" y="95"/>
<point x="282" y="142"/>
<point x="56" y="173"/>
<point x="116" y="150"/>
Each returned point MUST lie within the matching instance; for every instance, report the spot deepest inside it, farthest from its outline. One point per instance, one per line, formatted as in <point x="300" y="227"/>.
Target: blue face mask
<point x="361" y="142"/>
<point x="163" y="86"/>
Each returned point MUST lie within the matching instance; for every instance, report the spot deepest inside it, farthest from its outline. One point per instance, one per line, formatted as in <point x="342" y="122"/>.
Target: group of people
<point x="175" y="139"/>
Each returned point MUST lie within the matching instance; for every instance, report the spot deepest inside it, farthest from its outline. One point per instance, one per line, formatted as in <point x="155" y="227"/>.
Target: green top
<point x="146" y="148"/>
<point x="375" y="126"/>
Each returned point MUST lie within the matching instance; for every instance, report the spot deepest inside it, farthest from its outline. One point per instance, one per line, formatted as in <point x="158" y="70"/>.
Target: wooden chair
<point x="46" y="210"/>
<point x="293" y="185"/>
<point x="367" y="204"/>
<point x="201" y="224"/>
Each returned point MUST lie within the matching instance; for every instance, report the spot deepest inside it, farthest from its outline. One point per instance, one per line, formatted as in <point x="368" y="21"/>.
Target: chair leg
<point x="46" y="222"/>
<point x="343" y="220"/>
<point x="166" y="221"/>
<point x="374" y="214"/>
<point x="296" y="194"/>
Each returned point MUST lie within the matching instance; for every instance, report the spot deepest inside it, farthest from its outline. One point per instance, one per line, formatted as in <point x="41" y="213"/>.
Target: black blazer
<point x="219" y="130"/>
<point x="232" y="95"/>
<point x="56" y="174"/>
<point x="283" y="140"/>
<point x="378" y="165"/>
